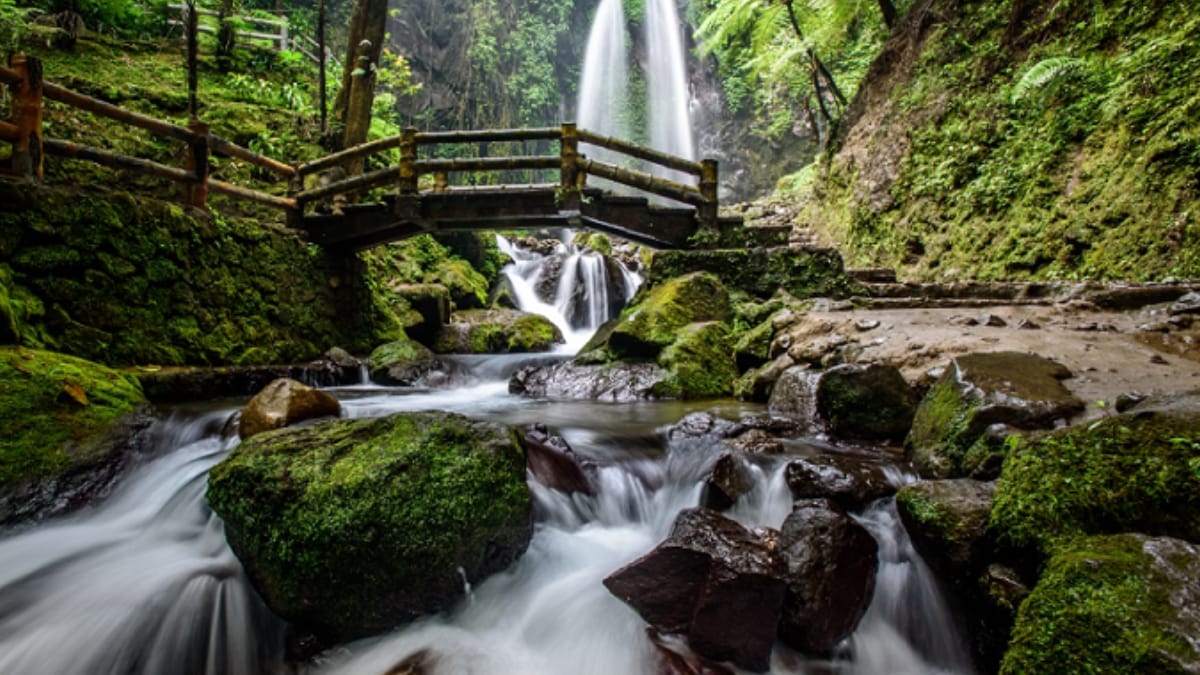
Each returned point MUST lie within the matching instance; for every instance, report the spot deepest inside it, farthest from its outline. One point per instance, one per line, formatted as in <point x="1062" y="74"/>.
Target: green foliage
<point x="1043" y="73"/>
<point x="57" y="410"/>
<point x="12" y="26"/>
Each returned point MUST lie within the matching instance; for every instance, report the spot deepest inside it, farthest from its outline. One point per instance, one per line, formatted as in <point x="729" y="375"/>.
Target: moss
<point x="867" y="402"/>
<point x="596" y="241"/>
<point x="398" y="352"/>
<point x="753" y="347"/>
<point x="761" y="273"/>
<point x="1104" y="605"/>
<point x="532" y="333"/>
<point x="939" y="437"/>
<point x="699" y="363"/>
<point x="654" y="317"/>
<point x="1132" y="472"/>
<point x="355" y="526"/>
<point x="56" y="410"/>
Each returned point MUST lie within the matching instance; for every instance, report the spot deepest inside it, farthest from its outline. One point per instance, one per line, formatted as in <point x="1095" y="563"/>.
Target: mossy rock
<point x="804" y="273"/>
<point x="401" y="362"/>
<point x="61" y="418"/>
<point x="947" y="520"/>
<point x="1111" y="604"/>
<point x="753" y="346"/>
<point x="655" y="317"/>
<point x="353" y="527"/>
<point x="596" y="241"/>
<point x="468" y="288"/>
<point x="869" y="402"/>
<point x="1134" y="472"/>
<point x="699" y="363"/>
<point x="496" y="331"/>
<point x="1021" y="391"/>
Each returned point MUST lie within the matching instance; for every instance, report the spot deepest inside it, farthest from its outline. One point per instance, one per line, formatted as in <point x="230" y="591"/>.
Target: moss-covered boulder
<point x="947" y="520"/>
<point x="496" y="331"/>
<point x="401" y="362"/>
<point x="1139" y="471"/>
<point x="352" y="527"/>
<point x="699" y="363"/>
<point x="804" y="273"/>
<point x="866" y="401"/>
<point x="949" y="436"/>
<point x="655" y="317"/>
<point x="431" y="308"/>
<point x="66" y="426"/>
<point x="1112" y="604"/>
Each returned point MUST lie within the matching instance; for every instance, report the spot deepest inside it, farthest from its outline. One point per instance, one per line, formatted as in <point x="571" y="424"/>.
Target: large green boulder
<point x="1010" y="390"/>
<point x="1139" y="471"/>
<point x="1112" y="604"/>
<point x="655" y="317"/>
<point x="699" y="363"/>
<point x="401" y="362"/>
<point x="496" y="331"/>
<point x="65" y="427"/>
<point x="352" y="527"/>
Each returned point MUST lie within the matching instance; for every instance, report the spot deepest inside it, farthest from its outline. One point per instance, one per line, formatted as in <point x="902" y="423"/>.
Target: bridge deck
<point x="503" y="208"/>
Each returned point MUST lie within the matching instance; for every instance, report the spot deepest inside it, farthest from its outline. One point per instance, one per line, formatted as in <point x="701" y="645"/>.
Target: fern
<point x="1043" y="73"/>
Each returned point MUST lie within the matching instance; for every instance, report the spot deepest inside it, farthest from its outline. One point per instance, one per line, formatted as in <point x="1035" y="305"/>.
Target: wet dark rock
<point x="672" y="657"/>
<point x="853" y="481"/>
<point x="282" y="403"/>
<point x="831" y="563"/>
<point x="553" y="463"/>
<point x="751" y="434"/>
<point x="713" y="580"/>
<point x="1023" y="391"/>
<point x="756" y="442"/>
<point x="794" y="395"/>
<point x="947" y="522"/>
<point x="618" y="382"/>
<point x="853" y="401"/>
<point x="729" y="478"/>
<point x="1188" y="304"/>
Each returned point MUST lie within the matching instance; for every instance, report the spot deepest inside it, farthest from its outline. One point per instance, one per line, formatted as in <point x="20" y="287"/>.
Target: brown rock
<point x="853" y="481"/>
<point x="553" y="463"/>
<point x="284" y="402"/>
<point x="729" y="479"/>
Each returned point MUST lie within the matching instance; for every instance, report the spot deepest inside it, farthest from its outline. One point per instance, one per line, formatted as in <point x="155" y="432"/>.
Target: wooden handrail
<point x="352" y="153"/>
<point x="8" y="132"/>
<point x="364" y="181"/>
<point x="489" y="136"/>
<point x="71" y="150"/>
<point x="644" y="181"/>
<point x="427" y="166"/>
<point x="224" y="147"/>
<point x="104" y="109"/>
<point x="252" y="195"/>
<point x="9" y="76"/>
<point x="641" y="152"/>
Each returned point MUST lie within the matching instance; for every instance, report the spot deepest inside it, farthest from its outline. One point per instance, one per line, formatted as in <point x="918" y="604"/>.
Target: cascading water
<point x="666" y="81"/>
<point x="576" y="288"/>
<point x="602" y="87"/>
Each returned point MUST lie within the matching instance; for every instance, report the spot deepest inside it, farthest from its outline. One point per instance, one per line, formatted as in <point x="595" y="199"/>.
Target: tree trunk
<point x="226" y="36"/>
<point x="352" y="107"/>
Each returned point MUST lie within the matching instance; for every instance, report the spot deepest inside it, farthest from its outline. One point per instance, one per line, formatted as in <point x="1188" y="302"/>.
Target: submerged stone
<point x="353" y="527"/>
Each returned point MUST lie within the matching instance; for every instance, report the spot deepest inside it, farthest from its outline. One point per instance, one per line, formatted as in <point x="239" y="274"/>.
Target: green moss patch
<point x="699" y="363"/>
<point x="804" y="273"/>
<point x="55" y="411"/>
<point x="655" y="317"/>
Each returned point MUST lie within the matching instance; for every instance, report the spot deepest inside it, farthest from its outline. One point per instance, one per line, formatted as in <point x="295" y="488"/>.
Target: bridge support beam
<point x="27" y="117"/>
<point x="196" y="193"/>
<point x="569" y="189"/>
<point x="706" y="212"/>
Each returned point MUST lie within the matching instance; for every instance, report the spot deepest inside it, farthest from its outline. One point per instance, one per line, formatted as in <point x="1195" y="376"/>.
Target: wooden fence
<point x="24" y="132"/>
<point x="275" y="31"/>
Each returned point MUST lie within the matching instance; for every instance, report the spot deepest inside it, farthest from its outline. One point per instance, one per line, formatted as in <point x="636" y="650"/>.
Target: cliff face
<point x="1023" y="139"/>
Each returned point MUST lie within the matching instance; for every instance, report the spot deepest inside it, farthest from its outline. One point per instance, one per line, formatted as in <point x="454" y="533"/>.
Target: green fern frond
<point x="1043" y="73"/>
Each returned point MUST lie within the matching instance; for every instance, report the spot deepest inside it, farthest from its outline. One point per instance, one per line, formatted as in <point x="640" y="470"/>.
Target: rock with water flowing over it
<point x="947" y="521"/>
<point x="727" y="481"/>
<point x="284" y="402"/>
<point x="496" y="331"/>
<point x="69" y="428"/>
<point x="852" y="401"/>
<point x="831" y="564"/>
<point x="553" y="463"/>
<point x="712" y="580"/>
<point x="1022" y="391"/>
<point x="1123" y="603"/>
<point x="617" y="383"/>
<point x="402" y="362"/>
<point x="851" y="480"/>
<point x="672" y="657"/>
<point x="752" y="434"/>
<point x="352" y="527"/>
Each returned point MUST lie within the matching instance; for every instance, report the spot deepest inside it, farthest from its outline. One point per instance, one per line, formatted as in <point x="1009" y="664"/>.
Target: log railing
<point x="24" y="133"/>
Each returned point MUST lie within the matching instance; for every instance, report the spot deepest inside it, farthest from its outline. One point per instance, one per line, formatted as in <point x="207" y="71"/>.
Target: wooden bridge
<point x="413" y="206"/>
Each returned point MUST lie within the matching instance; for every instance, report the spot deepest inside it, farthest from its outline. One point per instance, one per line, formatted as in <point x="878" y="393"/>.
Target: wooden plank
<point x="223" y="147"/>
<point x="111" y="159"/>
<point x="361" y="150"/>
<point x="104" y="109"/>
<point x="252" y="195"/>
<point x="489" y="136"/>
<point x="426" y="166"/>
<point x="641" y="152"/>
<point x="644" y="181"/>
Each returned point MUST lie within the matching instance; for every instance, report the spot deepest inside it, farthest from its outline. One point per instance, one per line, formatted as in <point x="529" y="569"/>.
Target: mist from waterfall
<point x="666" y="81"/>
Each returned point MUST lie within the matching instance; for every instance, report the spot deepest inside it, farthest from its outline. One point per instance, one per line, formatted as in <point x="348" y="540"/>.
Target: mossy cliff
<point x="1023" y="139"/>
<point x="353" y="527"/>
<point x="120" y="280"/>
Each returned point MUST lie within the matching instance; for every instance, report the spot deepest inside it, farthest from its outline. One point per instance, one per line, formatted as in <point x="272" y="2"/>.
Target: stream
<point x="143" y="583"/>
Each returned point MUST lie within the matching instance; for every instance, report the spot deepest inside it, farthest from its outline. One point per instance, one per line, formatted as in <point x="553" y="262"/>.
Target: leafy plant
<point x="1044" y="73"/>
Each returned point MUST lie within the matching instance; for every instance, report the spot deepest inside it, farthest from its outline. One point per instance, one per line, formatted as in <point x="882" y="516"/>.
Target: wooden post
<point x="192" y="26"/>
<point x="569" y="173"/>
<point x="323" y="55"/>
<point x="196" y="194"/>
<point x="441" y="181"/>
<point x="408" y="162"/>
<point x="27" y="116"/>
<point x="707" y="212"/>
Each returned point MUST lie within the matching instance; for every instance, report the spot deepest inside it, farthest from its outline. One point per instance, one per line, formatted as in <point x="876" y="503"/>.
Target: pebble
<point x="1158" y="360"/>
<point x="864" y="325"/>
<point x="994" y="321"/>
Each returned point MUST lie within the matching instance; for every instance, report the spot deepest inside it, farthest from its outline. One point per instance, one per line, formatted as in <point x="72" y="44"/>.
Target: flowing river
<point x="144" y="582"/>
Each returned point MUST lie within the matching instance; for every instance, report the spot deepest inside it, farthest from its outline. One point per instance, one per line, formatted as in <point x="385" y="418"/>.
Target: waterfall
<point x="602" y="95"/>
<point x="574" y="287"/>
<point x="666" y="81"/>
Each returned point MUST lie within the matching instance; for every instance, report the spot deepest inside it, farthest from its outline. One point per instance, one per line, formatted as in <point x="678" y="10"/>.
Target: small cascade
<point x="576" y="288"/>
<point x="666" y="81"/>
